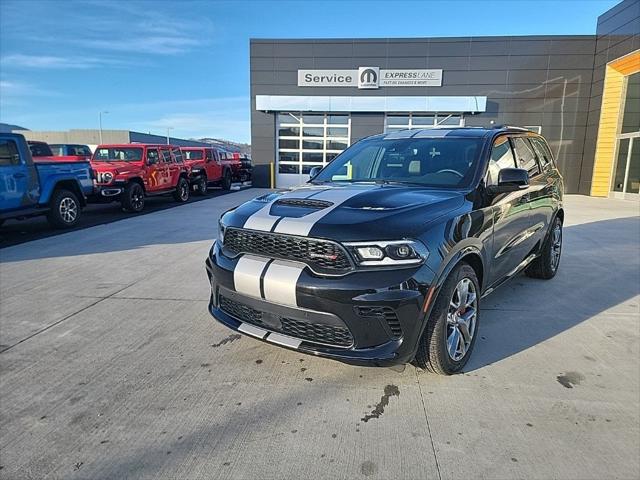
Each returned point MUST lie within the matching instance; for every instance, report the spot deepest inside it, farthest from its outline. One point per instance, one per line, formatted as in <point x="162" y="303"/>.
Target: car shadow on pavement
<point x="598" y="272"/>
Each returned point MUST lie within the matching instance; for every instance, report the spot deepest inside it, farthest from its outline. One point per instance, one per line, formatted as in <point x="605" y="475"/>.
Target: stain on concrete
<point x="589" y="357"/>
<point x="570" y="379"/>
<point x="205" y="365"/>
<point x="514" y="459"/>
<point x="77" y="465"/>
<point x="529" y="424"/>
<point x="294" y="431"/>
<point x="389" y="391"/>
<point x="309" y="379"/>
<point x="303" y="369"/>
<point x="231" y="338"/>
<point x="258" y="362"/>
<point x="103" y="442"/>
<point x="368" y="468"/>
<point x="334" y="435"/>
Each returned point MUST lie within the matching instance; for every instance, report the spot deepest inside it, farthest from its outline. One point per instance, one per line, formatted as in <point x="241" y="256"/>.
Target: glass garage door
<point x="306" y="141"/>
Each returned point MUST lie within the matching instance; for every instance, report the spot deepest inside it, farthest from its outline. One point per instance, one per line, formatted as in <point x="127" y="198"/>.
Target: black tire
<point x="433" y="354"/>
<point x="201" y="186"/>
<point x="182" y="190"/>
<point x="225" y="183"/>
<point x="546" y="265"/>
<point x="133" y="198"/>
<point x="65" y="209"/>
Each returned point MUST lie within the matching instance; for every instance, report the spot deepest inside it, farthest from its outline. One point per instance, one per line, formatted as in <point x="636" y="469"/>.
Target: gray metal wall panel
<point x="524" y="78"/>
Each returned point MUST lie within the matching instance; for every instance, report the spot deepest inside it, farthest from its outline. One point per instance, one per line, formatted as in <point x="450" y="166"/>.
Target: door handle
<point x="19" y="175"/>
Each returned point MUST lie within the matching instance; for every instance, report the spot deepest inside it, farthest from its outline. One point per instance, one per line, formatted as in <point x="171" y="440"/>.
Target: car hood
<point x="351" y="212"/>
<point x="121" y="167"/>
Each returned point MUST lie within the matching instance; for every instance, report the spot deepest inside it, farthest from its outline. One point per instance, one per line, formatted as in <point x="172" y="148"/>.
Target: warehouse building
<point x="310" y="99"/>
<point x="94" y="137"/>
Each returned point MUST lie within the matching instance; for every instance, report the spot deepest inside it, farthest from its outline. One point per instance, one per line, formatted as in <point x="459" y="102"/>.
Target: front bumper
<point x="371" y="318"/>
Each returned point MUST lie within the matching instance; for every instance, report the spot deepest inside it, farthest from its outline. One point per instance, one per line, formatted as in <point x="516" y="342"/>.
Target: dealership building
<point x="311" y="99"/>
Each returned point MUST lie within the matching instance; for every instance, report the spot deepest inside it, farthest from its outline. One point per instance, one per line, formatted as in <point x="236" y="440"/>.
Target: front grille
<point x="311" y="332"/>
<point x="387" y="314"/>
<point x="317" y="332"/>
<point x="322" y="256"/>
<point x="241" y="311"/>
<point x="304" y="202"/>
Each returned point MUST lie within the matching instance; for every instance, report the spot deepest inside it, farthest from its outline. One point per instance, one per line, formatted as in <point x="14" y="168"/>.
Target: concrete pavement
<point x="112" y="368"/>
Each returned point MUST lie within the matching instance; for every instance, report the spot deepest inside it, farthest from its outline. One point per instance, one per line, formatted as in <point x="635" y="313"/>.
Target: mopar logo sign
<point x="368" y="77"/>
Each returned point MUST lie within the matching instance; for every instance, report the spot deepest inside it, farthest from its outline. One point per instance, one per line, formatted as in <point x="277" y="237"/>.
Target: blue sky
<point x="185" y="64"/>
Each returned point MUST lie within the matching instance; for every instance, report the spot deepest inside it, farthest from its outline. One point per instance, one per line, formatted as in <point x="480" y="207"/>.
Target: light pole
<point x="100" y="117"/>
<point x="168" y="128"/>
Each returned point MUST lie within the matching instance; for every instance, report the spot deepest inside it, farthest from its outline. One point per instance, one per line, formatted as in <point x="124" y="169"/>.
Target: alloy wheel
<point x="137" y="199"/>
<point x="556" y="245"/>
<point x="184" y="191"/>
<point x="461" y="319"/>
<point x="68" y="209"/>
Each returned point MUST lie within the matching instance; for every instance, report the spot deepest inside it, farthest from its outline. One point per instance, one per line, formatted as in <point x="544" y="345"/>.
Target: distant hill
<point x="244" y="148"/>
<point x="8" y="128"/>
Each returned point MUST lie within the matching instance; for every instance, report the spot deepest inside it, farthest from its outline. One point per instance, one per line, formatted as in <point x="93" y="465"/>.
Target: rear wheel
<point x="452" y="327"/>
<point x="182" y="190"/>
<point x="226" y="180"/>
<point x="546" y="265"/>
<point x="65" y="209"/>
<point x="201" y="186"/>
<point x="133" y="198"/>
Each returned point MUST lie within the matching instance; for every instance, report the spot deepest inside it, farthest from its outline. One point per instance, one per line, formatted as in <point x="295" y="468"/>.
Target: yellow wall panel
<point x="609" y="124"/>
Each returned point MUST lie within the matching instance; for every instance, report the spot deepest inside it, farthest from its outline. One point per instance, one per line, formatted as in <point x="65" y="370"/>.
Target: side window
<point x="526" y="156"/>
<point x="9" y="153"/>
<point x="152" y="155"/>
<point x="177" y="154"/>
<point x="166" y="155"/>
<point x="501" y="157"/>
<point x="542" y="149"/>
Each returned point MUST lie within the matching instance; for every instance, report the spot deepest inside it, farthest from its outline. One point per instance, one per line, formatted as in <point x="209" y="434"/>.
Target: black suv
<point x="383" y="257"/>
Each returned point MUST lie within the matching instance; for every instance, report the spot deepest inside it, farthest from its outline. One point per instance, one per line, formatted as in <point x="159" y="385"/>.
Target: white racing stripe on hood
<point x="246" y="275"/>
<point x="303" y="225"/>
<point x="262" y="220"/>
<point x="280" y="282"/>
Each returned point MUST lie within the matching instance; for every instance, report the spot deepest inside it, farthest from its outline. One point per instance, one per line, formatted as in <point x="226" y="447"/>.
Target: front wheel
<point x="182" y="190"/>
<point x="201" y="186"/>
<point x="65" y="209"/>
<point x="546" y="265"/>
<point x="133" y="198"/>
<point x="452" y="327"/>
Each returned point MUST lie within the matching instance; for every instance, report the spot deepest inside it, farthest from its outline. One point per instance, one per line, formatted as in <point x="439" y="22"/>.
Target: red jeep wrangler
<point x="206" y="168"/>
<point x="130" y="172"/>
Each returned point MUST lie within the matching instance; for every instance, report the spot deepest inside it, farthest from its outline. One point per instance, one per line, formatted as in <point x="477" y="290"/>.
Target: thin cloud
<point x="58" y="62"/>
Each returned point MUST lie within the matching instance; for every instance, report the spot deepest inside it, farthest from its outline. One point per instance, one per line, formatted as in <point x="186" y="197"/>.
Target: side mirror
<point x="510" y="180"/>
<point x="314" y="172"/>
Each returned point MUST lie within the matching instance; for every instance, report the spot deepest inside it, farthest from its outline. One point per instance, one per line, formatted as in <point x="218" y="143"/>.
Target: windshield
<point x="118" y="154"/>
<point x="193" y="154"/>
<point x="434" y="162"/>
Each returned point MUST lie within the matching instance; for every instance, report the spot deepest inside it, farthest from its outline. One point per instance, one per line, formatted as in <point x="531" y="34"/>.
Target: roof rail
<point x="513" y="127"/>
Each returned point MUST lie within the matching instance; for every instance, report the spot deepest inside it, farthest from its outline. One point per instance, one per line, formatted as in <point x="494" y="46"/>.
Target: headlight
<point x="105" y="177"/>
<point x="385" y="252"/>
